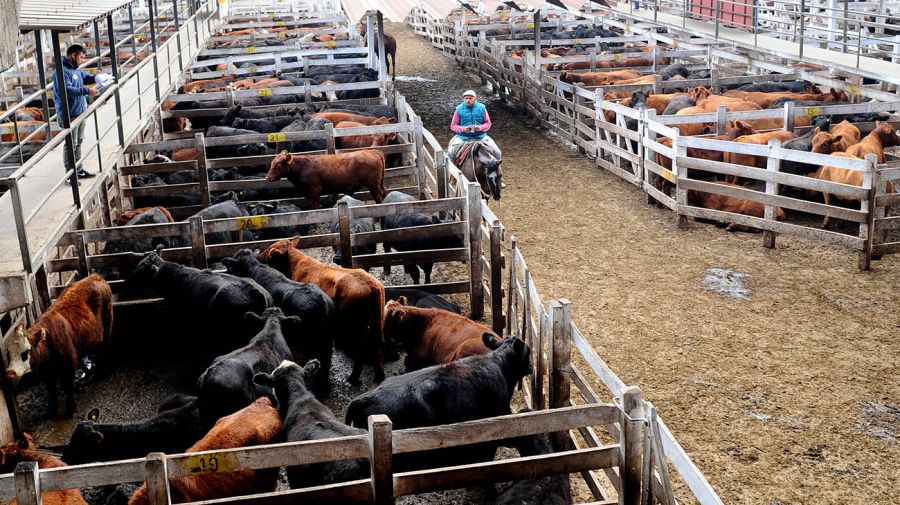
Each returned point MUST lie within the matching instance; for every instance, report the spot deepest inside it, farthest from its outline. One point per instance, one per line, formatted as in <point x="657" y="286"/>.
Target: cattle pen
<point x="517" y="61"/>
<point x="614" y="439"/>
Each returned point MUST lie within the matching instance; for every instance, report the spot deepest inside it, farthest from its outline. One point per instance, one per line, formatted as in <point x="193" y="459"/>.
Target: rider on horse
<point x="470" y="122"/>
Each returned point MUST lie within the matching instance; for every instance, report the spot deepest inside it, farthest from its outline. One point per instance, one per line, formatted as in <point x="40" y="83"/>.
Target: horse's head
<point x="494" y="177"/>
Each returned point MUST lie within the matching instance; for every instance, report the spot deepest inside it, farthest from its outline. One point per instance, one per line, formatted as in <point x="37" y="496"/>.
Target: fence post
<point x="511" y="295"/>
<point x="789" y="116"/>
<point x="156" y="476"/>
<point x="381" y="459"/>
<point x="721" y="120"/>
<point x="473" y="214"/>
<point x="497" y="265"/>
<point x="343" y="211"/>
<point x="419" y="138"/>
<point x="680" y="173"/>
<point x="631" y="441"/>
<point x="28" y="483"/>
<point x="329" y="138"/>
<point x="867" y="229"/>
<point x="560" y="354"/>
<point x="198" y="242"/>
<point x="81" y="251"/>
<point x="202" y="173"/>
<point x="773" y="165"/>
<point x="440" y="161"/>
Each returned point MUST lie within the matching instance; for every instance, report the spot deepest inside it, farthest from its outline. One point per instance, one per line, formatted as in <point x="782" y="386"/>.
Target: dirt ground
<point x="791" y="396"/>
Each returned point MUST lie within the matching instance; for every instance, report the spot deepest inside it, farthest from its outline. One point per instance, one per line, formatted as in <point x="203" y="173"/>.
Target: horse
<point x="479" y="165"/>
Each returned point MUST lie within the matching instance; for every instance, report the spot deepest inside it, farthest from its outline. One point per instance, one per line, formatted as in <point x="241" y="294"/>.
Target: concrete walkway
<point x="869" y="67"/>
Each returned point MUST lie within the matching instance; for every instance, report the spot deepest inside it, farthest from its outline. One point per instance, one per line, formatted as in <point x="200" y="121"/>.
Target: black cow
<point x="267" y="125"/>
<point x="335" y="69"/>
<point x="368" y="75"/>
<point x="411" y="220"/>
<point x="780" y="86"/>
<point x="227" y="205"/>
<point x="803" y="143"/>
<point x="214" y="302"/>
<point x="311" y="340"/>
<point x="227" y="385"/>
<point x="233" y="174"/>
<point x="278" y="232"/>
<point x="175" y="428"/>
<point x="239" y="112"/>
<point x="139" y="245"/>
<point x="550" y="490"/>
<point x="421" y="299"/>
<point x="471" y="388"/>
<point x="673" y="70"/>
<point x="305" y="418"/>
<point x="182" y="177"/>
<point x="233" y="151"/>
<point x="298" y="125"/>
<point x="354" y="94"/>
<point x="678" y="103"/>
<point x="357" y="225"/>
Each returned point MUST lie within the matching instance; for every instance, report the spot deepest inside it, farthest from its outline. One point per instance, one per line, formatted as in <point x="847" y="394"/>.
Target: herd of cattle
<point x="835" y="134"/>
<point x="267" y="328"/>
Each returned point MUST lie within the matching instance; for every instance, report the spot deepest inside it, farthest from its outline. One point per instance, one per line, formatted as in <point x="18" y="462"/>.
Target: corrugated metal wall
<point x="9" y="30"/>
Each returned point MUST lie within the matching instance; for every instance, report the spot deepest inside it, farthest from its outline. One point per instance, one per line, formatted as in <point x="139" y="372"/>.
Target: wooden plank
<point x="506" y="470"/>
<point x="381" y="458"/>
<point x="696" y="482"/>
<point x="410" y="257"/>
<point x="603" y="371"/>
<point x="503" y="427"/>
<point x="561" y="330"/>
<point x="358" y="491"/>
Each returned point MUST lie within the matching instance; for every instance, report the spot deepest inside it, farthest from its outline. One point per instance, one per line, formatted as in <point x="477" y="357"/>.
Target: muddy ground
<point x="791" y="396"/>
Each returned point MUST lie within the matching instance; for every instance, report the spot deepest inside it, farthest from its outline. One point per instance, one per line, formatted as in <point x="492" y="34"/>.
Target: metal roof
<point x="64" y="15"/>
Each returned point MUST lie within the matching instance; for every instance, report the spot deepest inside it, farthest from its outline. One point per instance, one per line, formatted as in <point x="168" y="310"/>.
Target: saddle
<point x="464" y="152"/>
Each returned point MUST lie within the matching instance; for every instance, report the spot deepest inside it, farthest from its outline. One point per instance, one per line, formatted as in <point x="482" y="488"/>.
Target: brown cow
<point x="599" y="78"/>
<point x="337" y="117"/>
<point x="759" y="139"/>
<point x="186" y="154"/>
<point x="433" y="336"/>
<point x="358" y="302"/>
<point x="79" y="322"/>
<point x="24" y="450"/>
<point x="128" y="215"/>
<point x="356" y="141"/>
<point x="738" y="129"/>
<point x="256" y="424"/>
<point x="842" y="137"/>
<point x="874" y="143"/>
<point x="316" y="174"/>
<point x="765" y="100"/>
<point x="844" y="176"/>
<point x="731" y="204"/>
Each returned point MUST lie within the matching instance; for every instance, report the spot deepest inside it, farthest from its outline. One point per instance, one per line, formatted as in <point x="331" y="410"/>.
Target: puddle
<point x="880" y="420"/>
<point x="414" y="78"/>
<point x="727" y="282"/>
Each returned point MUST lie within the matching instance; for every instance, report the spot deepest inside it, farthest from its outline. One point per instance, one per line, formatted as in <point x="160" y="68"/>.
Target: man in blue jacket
<point x="76" y="96"/>
<point x="470" y="122"/>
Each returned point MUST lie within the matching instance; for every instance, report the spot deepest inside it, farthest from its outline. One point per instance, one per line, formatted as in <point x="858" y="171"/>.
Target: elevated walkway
<point x="882" y="70"/>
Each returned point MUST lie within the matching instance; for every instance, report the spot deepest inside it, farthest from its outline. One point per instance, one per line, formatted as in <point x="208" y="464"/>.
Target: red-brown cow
<point x="731" y="204"/>
<point x="882" y="136"/>
<point x="128" y="215"/>
<point x="24" y="450"/>
<point x="356" y="141"/>
<point x="316" y="174"/>
<point x="256" y="424"/>
<point x="358" y="302"/>
<point x="433" y="336"/>
<point x="337" y="117"/>
<point x="79" y="322"/>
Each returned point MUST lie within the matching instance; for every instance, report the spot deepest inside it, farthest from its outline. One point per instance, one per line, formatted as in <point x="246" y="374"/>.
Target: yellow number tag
<point x="275" y="137"/>
<point x="669" y="176"/>
<point x="252" y="70"/>
<point x="280" y="23"/>
<point x="223" y="2"/>
<point x="617" y="56"/>
<point x="282" y="35"/>
<point x="250" y="50"/>
<point x="853" y="89"/>
<point x="577" y="42"/>
<point x="139" y="37"/>
<point x="813" y="111"/>
<point x="265" y="91"/>
<point x="210" y="463"/>
<point x="330" y="44"/>
<point x="252" y="223"/>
